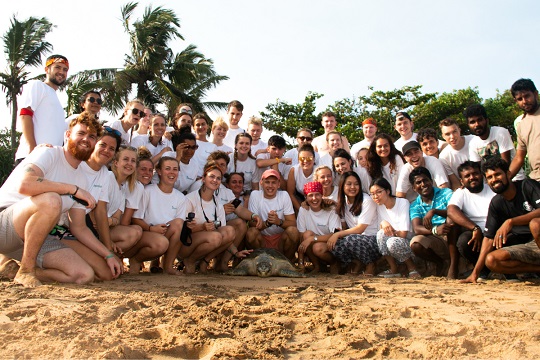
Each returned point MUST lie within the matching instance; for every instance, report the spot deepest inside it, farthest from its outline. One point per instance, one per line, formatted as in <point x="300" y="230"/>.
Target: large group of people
<point x="181" y="194"/>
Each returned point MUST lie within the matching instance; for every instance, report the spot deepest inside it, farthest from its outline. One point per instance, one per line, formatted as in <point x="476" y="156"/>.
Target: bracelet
<point x="76" y="189"/>
<point x="253" y="215"/>
<point x="150" y="226"/>
<point x="230" y="252"/>
<point x="434" y="230"/>
<point x="475" y="228"/>
<point x="278" y="161"/>
<point x="281" y="223"/>
<point x="111" y="255"/>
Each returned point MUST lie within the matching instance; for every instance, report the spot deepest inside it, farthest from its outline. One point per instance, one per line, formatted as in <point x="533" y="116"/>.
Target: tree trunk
<point x="14" y="110"/>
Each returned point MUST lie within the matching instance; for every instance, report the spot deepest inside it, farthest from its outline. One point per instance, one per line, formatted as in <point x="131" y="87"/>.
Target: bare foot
<point x="134" y="267"/>
<point x="356" y="266"/>
<point x="334" y="268"/>
<point x="173" y="271"/>
<point x="9" y="269"/>
<point x="315" y="270"/>
<point x="189" y="266"/>
<point x="452" y="274"/>
<point x="27" y="279"/>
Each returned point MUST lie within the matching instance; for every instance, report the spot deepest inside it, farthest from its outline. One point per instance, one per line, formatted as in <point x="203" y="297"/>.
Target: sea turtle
<point x="264" y="263"/>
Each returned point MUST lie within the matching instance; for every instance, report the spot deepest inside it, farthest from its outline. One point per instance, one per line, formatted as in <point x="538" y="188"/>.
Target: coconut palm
<point x="24" y="47"/>
<point x="158" y="75"/>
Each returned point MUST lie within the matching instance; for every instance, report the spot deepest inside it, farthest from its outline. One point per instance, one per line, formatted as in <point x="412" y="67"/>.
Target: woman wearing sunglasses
<point x="133" y="113"/>
<point x="90" y="102"/>
<point x="303" y="136"/>
<point x="155" y="142"/>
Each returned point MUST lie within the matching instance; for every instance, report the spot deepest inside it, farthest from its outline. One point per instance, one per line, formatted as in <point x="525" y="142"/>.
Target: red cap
<point x="270" y="172"/>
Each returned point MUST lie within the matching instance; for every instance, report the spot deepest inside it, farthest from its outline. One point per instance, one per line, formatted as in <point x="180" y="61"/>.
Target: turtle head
<point x="264" y="269"/>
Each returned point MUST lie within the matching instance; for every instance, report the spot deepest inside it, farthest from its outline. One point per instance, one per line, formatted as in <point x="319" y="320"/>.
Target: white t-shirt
<point x="392" y="176"/>
<point x="187" y="173"/>
<point x="474" y="205"/>
<point x="283" y="169"/>
<point x="261" y="206"/>
<point x="293" y="155"/>
<point x="498" y="142"/>
<point x="127" y="136"/>
<point x="213" y="209"/>
<point x="260" y="145"/>
<point x="231" y="136"/>
<point x="398" y="216"/>
<point x="358" y="146"/>
<point x="143" y="140"/>
<point x="117" y="196"/>
<point x="201" y="155"/>
<point x="53" y="163"/>
<point x="322" y="222"/>
<point x="159" y="208"/>
<point x="452" y="158"/>
<point x="134" y="199"/>
<point x="224" y="148"/>
<point x="98" y="181"/>
<point x="300" y="179"/>
<point x="327" y="160"/>
<point x="248" y="167"/>
<point x="48" y="118"/>
<point x="333" y="195"/>
<point x="368" y="216"/>
<point x="401" y="141"/>
<point x="434" y="166"/>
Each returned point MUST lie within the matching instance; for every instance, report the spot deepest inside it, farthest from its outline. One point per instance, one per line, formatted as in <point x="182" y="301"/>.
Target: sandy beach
<point x="218" y="316"/>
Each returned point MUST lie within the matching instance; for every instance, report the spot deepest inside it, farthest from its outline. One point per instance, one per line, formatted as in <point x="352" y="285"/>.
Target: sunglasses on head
<point x="111" y="130"/>
<point x="186" y="111"/>
<point x="305" y="138"/>
<point x="93" y="100"/>
<point x="136" y="111"/>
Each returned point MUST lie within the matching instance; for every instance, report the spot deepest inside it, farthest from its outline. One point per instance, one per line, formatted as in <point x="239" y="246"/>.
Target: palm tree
<point x="159" y="76"/>
<point x="24" y="47"/>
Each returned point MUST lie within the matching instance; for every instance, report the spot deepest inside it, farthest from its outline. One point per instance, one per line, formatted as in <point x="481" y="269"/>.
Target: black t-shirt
<point x="526" y="200"/>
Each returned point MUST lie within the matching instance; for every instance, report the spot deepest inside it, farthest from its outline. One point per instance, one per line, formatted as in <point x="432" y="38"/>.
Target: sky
<point x="283" y="49"/>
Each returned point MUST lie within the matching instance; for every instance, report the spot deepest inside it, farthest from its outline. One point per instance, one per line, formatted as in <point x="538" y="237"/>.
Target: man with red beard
<point x="47" y="184"/>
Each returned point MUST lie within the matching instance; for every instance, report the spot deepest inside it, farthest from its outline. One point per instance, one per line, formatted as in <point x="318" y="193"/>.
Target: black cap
<point x="410" y="145"/>
<point x="402" y="114"/>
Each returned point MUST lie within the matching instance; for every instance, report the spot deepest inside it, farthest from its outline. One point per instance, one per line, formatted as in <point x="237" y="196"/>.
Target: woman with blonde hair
<point x="133" y="113"/>
<point x="219" y="131"/>
<point x="154" y="141"/>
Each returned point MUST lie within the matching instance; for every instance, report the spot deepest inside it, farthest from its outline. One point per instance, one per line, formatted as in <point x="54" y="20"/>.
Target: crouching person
<point x="274" y="207"/>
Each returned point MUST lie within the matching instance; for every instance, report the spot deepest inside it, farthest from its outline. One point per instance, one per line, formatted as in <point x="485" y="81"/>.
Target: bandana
<point x="369" y="121"/>
<point x="312" y="187"/>
<point x="56" y="60"/>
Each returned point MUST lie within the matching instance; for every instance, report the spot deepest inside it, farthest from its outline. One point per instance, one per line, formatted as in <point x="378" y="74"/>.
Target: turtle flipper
<point x="290" y="273"/>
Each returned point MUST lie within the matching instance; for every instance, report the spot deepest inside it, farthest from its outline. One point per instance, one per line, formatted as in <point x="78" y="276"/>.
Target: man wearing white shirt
<point x="404" y="126"/>
<point x="415" y="158"/>
<point x="456" y="152"/>
<point x="489" y="140"/>
<point x="468" y="208"/>
<point x="369" y="128"/>
<point x="234" y="113"/>
<point x="275" y="208"/>
<point x="255" y="129"/>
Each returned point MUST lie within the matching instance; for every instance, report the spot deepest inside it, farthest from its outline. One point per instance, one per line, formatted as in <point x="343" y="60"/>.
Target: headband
<point x="313" y="186"/>
<point x="56" y="60"/>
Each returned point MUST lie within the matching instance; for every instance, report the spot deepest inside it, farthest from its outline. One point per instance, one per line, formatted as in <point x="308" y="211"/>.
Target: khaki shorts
<point x="438" y="244"/>
<point x="11" y="245"/>
<point x="528" y="253"/>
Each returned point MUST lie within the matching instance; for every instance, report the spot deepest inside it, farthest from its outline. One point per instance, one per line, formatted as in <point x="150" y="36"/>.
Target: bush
<point x="7" y="156"/>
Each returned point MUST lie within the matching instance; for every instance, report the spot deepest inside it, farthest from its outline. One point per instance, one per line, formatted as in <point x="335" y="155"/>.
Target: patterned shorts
<point x="357" y="247"/>
<point x="528" y="253"/>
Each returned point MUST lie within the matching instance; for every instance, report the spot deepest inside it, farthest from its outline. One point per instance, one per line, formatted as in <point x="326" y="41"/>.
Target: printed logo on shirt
<point x="527" y="206"/>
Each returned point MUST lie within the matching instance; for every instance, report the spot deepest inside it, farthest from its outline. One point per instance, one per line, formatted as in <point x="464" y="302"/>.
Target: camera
<point x="190" y="216"/>
<point x="217" y="224"/>
<point x="236" y="202"/>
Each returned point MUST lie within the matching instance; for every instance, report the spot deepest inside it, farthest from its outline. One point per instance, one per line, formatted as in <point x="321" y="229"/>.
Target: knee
<point x="292" y="233"/>
<point x="252" y="233"/>
<point x="50" y="203"/>
<point x="160" y="245"/>
<point x="416" y="248"/>
<point x="85" y="275"/>
<point x="534" y="226"/>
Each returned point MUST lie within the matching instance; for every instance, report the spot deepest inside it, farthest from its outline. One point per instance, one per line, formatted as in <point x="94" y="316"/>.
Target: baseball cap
<point x="402" y="114"/>
<point x="270" y="172"/>
<point x="410" y="145"/>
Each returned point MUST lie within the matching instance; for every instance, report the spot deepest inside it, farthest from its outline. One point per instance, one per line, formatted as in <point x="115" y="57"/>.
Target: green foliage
<point x="24" y="47"/>
<point x="286" y="119"/>
<point x="426" y="109"/>
<point x="158" y="74"/>
<point x="7" y="154"/>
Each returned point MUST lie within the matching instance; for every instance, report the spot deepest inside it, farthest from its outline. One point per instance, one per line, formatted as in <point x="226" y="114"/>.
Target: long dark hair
<point x="383" y="183"/>
<point x="374" y="161"/>
<point x="356" y="207"/>
<point x="236" y="139"/>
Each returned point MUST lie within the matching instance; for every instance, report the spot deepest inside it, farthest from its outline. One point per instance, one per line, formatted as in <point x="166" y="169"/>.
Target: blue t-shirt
<point x="441" y="197"/>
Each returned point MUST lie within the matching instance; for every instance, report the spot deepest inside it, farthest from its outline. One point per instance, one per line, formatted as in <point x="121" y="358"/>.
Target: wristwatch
<point x="475" y="228"/>
<point x="315" y="239"/>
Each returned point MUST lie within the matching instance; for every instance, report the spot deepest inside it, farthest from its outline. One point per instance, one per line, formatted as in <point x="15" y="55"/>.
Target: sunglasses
<point x="111" y="130"/>
<point x="93" y="100"/>
<point x="136" y="111"/>
<point x="305" y="159"/>
<point x="185" y="111"/>
<point x="305" y="138"/>
<point x="193" y="147"/>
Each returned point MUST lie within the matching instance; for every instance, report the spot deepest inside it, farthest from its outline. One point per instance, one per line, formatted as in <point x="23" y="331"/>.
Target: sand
<point x="218" y="316"/>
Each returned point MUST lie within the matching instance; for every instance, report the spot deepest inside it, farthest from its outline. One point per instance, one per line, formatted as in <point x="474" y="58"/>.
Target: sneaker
<point x="414" y="275"/>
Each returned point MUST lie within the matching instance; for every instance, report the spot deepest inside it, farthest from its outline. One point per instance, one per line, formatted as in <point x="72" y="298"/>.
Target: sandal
<point x="414" y="275"/>
<point x="387" y="274"/>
